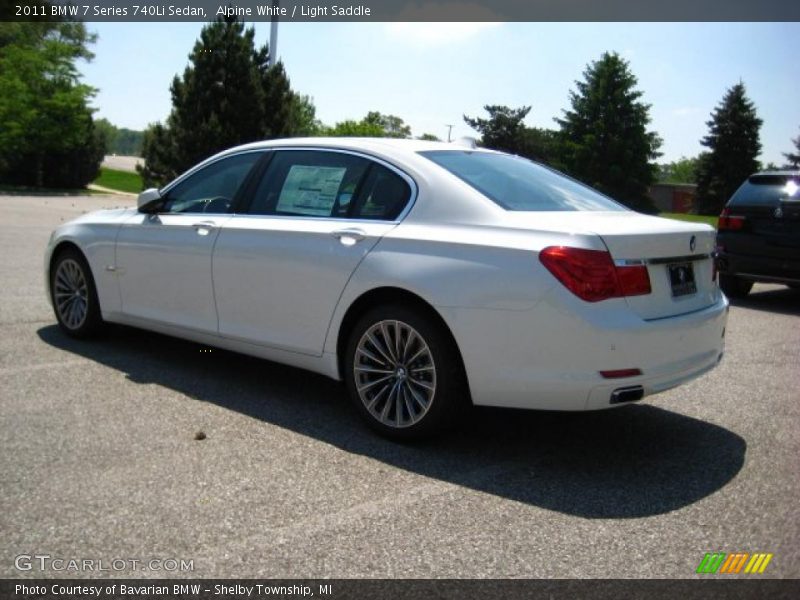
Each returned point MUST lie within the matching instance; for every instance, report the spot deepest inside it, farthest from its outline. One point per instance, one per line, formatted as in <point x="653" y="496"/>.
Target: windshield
<point x="518" y="184"/>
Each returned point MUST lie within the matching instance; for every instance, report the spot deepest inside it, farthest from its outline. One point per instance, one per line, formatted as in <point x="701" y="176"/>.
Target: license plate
<point x="681" y="279"/>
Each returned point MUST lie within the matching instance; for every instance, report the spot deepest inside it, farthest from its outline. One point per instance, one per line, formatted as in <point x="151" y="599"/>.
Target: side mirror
<point x="148" y="200"/>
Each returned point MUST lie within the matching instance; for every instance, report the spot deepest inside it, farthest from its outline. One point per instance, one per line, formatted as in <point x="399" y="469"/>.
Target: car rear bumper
<point x="550" y="358"/>
<point x="760" y="268"/>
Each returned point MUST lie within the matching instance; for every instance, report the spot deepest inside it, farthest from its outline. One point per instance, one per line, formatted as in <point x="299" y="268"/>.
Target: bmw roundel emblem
<point x="778" y="213"/>
<point x="692" y="243"/>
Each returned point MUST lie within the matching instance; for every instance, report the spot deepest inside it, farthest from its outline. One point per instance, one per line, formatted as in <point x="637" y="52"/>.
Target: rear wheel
<point x="735" y="287"/>
<point x="403" y="373"/>
<point x="74" y="295"/>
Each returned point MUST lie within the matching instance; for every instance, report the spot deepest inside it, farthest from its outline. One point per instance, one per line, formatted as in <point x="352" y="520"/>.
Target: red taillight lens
<point x="634" y="280"/>
<point x="728" y="222"/>
<point x="591" y="274"/>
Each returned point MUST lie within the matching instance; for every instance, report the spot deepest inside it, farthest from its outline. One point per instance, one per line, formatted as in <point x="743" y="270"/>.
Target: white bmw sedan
<point x="424" y="275"/>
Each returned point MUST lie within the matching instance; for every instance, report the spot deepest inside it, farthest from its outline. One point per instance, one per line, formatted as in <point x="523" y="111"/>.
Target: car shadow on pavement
<point x="781" y="300"/>
<point x="632" y="462"/>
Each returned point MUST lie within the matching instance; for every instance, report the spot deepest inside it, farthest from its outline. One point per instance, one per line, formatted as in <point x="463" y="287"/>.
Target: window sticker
<point x="310" y="190"/>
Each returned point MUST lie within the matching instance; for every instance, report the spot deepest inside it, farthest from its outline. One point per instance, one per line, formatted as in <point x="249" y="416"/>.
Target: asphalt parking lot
<point x="99" y="461"/>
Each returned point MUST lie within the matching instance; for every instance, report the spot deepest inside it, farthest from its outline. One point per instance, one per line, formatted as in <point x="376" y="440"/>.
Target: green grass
<point x="122" y="181"/>
<point x="693" y="218"/>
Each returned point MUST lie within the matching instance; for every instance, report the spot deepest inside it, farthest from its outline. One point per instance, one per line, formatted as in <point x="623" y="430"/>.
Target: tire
<point x="406" y="390"/>
<point x="734" y="287"/>
<point x="74" y="295"/>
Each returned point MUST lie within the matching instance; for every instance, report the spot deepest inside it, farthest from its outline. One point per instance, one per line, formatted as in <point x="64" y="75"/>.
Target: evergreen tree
<point x="279" y="102"/>
<point x="228" y="95"/>
<point x="604" y="137"/>
<point x="303" y="116"/>
<point x="733" y="147"/>
<point x="504" y="129"/>
<point x="794" y="157"/>
<point x="219" y="102"/>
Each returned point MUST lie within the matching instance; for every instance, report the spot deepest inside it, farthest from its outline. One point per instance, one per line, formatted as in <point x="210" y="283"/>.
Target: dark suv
<point x="759" y="233"/>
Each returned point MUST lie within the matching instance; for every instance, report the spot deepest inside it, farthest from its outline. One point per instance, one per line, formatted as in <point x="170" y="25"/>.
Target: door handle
<point x="204" y="227"/>
<point x="349" y="236"/>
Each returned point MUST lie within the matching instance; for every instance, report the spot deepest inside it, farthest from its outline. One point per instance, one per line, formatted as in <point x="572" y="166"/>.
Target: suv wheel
<point x="734" y="287"/>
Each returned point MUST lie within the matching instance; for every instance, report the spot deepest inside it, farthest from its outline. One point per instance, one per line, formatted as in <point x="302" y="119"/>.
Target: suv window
<point x="767" y="190"/>
<point x="213" y="188"/>
<point x="516" y="183"/>
<point x="312" y="183"/>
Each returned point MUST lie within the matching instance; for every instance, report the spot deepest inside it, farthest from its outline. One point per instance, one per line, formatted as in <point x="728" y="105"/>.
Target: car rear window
<point x="518" y="184"/>
<point x="766" y="190"/>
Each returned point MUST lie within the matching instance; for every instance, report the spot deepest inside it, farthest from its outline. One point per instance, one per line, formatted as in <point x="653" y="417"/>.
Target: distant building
<point x="674" y="197"/>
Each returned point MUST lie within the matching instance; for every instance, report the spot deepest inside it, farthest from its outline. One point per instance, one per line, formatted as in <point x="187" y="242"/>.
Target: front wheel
<point x="403" y="373"/>
<point x="74" y="295"/>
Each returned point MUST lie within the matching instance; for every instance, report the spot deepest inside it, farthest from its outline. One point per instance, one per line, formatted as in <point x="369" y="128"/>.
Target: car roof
<point x="380" y="146"/>
<point x="778" y="172"/>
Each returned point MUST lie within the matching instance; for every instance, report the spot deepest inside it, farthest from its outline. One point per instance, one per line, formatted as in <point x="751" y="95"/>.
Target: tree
<point x="503" y="130"/>
<point x="794" y="157"/>
<point x="48" y="136"/>
<point x="119" y="139"/>
<point x="303" y="116"/>
<point x="373" y="125"/>
<point x="429" y="137"/>
<point x="392" y="126"/>
<point x="683" y="170"/>
<point x="734" y="146"/>
<point x="228" y="95"/>
<point x="604" y="138"/>
<point x="350" y="128"/>
<point x="219" y="101"/>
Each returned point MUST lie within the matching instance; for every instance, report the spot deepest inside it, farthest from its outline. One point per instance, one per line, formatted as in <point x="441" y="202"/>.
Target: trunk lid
<point x="676" y="254"/>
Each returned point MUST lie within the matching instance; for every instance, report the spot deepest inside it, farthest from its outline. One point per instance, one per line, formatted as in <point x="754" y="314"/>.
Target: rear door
<point x="281" y="266"/>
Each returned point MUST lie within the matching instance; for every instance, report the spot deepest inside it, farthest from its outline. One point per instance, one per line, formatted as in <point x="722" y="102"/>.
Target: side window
<point x="212" y="189"/>
<point x="309" y="183"/>
<point x="383" y="196"/>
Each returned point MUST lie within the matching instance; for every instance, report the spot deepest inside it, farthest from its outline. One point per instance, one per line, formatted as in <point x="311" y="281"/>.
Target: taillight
<point x="729" y="222"/>
<point x="592" y="275"/>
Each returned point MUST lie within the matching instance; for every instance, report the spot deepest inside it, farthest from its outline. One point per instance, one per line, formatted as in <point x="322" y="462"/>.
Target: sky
<point x="431" y="74"/>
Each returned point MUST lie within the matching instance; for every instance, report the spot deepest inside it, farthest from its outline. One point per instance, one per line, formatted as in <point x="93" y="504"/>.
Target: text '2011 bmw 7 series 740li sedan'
<point x="424" y="275"/>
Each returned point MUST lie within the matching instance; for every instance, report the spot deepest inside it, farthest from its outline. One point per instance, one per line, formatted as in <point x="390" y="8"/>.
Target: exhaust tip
<point x="627" y="394"/>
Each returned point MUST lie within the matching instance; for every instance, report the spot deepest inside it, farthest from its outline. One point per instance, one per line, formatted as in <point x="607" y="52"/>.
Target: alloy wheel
<point x="71" y="293"/>
<point x="395" y="373"/>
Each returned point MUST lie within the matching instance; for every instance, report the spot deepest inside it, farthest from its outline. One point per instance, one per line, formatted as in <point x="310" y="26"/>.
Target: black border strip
<point x="702" y="587"/>
<point x="411" y="10"/>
